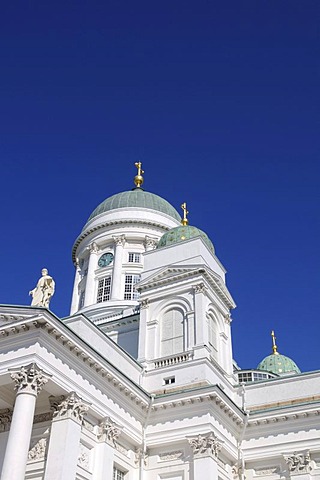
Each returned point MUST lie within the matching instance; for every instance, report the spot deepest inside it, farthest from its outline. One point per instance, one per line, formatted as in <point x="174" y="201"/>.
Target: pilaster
<point x="107" y="434"/>
<point x="65" y="435"/>
<point x="205" y="450"/>
<point x="90" y="284"/>
<point x="117" y="267"/>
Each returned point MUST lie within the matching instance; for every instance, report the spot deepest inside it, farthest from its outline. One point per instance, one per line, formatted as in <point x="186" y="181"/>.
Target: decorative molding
<point x="120" y="448"/>
<point x="71" y="406"/>
<point x="150" y="243"/>
<point x="120" y="240"/>
<point x="38" y="451"/>
<point x="298" y="462"/>
<point x="29" y="379"/>
<point x="199" y="288"/>
<point x="144" y="303"/>
<point x="204" y="445"/>
<point x="5" y="419"/>
<point x="266" y="471"/>
<point x="42" y="417"/>
<point x="93" y="248"/>
<point x="141" y="456"/>
<point x="228" y="319"/>
<point x="170" y="456"/>
<point x="109" y="431"/>
<point x="84" y="457"/>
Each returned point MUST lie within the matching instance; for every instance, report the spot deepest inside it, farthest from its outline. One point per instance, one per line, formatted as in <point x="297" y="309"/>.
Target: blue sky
<point x="219" y="100"/>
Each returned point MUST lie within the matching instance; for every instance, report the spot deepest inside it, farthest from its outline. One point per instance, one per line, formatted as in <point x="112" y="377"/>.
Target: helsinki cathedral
<point x="139" y="381"/>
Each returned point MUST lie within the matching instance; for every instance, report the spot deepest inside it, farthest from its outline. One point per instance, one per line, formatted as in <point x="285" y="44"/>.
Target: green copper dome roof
<point x="182" y="233"/>
<point x="279" y="364"/>
<point x="136" y="198"/>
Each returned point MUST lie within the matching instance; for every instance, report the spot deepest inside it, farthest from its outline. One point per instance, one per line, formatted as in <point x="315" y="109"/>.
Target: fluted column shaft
<point x="29" y="381"/>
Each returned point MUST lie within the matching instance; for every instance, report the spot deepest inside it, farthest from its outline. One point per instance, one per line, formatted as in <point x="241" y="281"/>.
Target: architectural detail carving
<point x="5" y="419"/>
<point x="203" y="445"/>
<point x="42" y="417"/>
<point x="84" y="457"/>
<point x="122" y="449"/>
<point x="167" y="456"/>
<point x="266" y="471"/>
<point x="29" y="379"/>
<point x="141" y="455"/>
<point x="150" y="243"/>
<point x="38" y="451"/>
<point x="109" y="431"/>
<point x="71" y="407"/>
<point x="228" y="319"/>
<point x="144" y="303"/>
<point x="93" y="248"/>
<point x="298" y="462"/>
<point x="120" y="240"/>
<point x="199" y="288"/>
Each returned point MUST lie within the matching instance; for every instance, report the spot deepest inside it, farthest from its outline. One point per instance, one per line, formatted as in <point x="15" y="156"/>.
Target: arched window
<point x="172" y="332"/>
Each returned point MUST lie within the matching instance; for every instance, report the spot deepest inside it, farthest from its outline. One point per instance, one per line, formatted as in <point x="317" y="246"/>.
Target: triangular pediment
<point x="168" y="274"/>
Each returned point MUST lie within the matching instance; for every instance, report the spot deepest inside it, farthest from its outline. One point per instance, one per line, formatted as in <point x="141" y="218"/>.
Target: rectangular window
<point x="129" y="292"/>
<point x="134" y="257"/>
<point x="104" y="288"/>
<point x="169" y="380"/>
<point x="117" y="474"/>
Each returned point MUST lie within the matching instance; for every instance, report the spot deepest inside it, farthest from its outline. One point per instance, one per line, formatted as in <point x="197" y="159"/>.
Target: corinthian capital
<point x="120" y="240"/>
<point x="71" y="406"/>
<point x="204" y="445"/>
<point x="109" y="431"/>
<point x="30" y="379"/>
<point x="298" y="462"/>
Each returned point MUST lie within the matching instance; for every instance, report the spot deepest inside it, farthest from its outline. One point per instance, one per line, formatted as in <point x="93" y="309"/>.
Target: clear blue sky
<point x="219" y="100"/>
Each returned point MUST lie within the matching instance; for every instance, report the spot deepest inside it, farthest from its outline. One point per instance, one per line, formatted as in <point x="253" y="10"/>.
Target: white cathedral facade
<point x="139" y="382"/>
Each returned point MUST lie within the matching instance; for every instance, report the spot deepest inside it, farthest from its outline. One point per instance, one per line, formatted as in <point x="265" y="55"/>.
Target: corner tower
<point x="108" y="253"/>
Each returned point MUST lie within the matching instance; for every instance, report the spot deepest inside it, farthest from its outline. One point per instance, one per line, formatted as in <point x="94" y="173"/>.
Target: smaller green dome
<point x="278" y="364"/>
<point x="182" y="233"/>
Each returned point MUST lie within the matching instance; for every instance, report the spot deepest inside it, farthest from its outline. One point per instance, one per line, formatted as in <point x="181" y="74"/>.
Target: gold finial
<point x="138" y="179"/>
<point x="184" y="220"/>
<point x="274" y="346"/>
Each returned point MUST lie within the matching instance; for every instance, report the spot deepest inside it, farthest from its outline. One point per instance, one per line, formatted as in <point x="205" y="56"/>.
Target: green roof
<point x="136" y="198"/>
<point x="182" y="233"/>
<point x="279" y="364"/>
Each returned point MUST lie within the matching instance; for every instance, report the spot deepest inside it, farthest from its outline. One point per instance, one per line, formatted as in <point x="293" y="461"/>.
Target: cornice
<point x="92" y="359"/>
<point x="279" y="415"/>
<point x="189" y="398"/>
<point x="178" y="273"/>
<point x="88" y="231"/>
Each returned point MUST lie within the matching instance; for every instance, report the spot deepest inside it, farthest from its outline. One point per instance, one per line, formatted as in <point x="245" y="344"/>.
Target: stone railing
<point x="173" y="360"/>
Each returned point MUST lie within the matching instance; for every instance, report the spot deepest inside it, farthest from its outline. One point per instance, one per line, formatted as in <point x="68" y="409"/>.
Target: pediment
<point x="169" y="274"/>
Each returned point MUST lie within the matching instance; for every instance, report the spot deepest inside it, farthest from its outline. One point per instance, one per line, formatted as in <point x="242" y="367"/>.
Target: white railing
<point x="173" y="360"/>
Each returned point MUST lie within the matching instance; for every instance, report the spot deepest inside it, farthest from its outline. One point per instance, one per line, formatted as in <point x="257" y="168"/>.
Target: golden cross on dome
<point x="274" y="346"/>
<point x="138" y="179"/>
<point x="184" y="220"/>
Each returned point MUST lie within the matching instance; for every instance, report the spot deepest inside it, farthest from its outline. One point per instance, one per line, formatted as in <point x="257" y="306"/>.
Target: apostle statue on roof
<point x="42" y="293"/>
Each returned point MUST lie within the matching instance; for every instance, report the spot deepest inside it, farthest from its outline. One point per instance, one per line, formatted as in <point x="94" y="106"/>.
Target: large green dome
<point x="182" y="233"/>
<point x="136" y="198"/>
<point x="278" y="364"/>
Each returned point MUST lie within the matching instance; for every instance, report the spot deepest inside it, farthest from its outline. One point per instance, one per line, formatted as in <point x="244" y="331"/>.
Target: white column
<point x="29" y="381"/>
<point x="205" y="453"/>
<point x="75" y="293"/>
<point x="144" y="317"/>
<point x="108" y="432"/>
<point x="200" y="324"/>
<point x="117" y="268"/>
<point x="90" y="283"/>
<point x="63" y="451"/>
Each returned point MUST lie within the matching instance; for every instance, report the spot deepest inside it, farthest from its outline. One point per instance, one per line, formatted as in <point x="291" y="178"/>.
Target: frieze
<point x="42" y="417"/>
<point x="120" y="448"/>
<point x="261" y="472"/>
<point x="298" y="462"/>
<point x="5" y="419"/>
<point x="84" y="458"/>
<point x="168" y="456"/>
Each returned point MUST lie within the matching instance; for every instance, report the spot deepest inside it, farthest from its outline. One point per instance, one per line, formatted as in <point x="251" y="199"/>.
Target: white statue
<point x="42" y="293"/>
